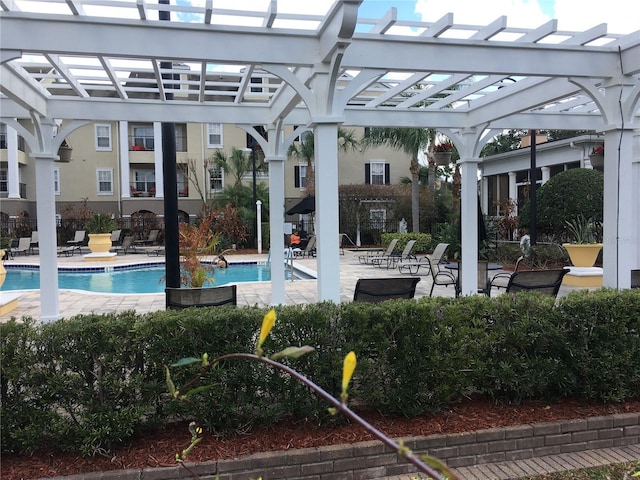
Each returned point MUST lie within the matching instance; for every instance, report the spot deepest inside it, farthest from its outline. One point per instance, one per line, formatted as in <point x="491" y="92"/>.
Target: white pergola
<point x="102" y="60"/>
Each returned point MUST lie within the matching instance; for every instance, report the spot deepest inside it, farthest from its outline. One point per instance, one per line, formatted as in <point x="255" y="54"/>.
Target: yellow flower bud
<point x="267" y="324"/>
<point x="347" y="370"/>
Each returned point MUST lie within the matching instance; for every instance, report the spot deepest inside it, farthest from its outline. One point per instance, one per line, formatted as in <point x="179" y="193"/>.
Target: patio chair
<point x="123" y="248"/>
<point x="414" y="267"/>
<point x="440" y="277"/>
<point x="24" y="246"/>
<point x="375" y="290"/>
<point x="635" y="278"/>
<point x="393" y="259"/>
<point x="78" y="239"/>
<point x="378" y="253"/>
<point x="501" y="280"/>
<point x="34" y="241"/>
<point x="179" y="298"/>
<point x="151" y="238"/>
<point x="66" y="251"/>
<point x="547" y="282"/>
<point x="115" y="237"/>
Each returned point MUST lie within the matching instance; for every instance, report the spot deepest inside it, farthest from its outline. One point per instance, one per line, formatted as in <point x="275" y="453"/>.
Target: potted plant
<point x="99" y="227"/>
<point x="442" y="153"/>
<point x="596" y="157"/>
<point x="583" y="250"/>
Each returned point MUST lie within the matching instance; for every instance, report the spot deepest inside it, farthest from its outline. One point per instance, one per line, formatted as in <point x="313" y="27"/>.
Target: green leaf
<point x="197" y="390"/>
<point x="170" y="385"/>
<point x="186" y="361"/>
<point x="292" y="352"/>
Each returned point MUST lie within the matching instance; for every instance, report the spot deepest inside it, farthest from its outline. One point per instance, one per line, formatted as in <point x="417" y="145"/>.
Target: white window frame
<point x="211" y="177"/>
<point x="102" y="135"/>
<point x="215" y="130"/>
<point x="302" y="181"/>
<point x="373" y="173"/>
<point x="378" y="219"/>
<point x="109" y="173"/>
<point x="56" y="180"/>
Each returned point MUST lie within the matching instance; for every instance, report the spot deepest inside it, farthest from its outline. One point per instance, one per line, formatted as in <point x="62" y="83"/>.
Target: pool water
<point x="136" y="280"/>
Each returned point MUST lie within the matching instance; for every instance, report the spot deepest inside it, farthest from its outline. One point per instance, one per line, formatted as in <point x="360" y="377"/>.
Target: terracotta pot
<point x="583" y="254"/>
<point x="99" y="242"/>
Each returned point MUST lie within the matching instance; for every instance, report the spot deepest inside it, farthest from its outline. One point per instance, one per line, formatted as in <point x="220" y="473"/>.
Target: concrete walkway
<point x="74" y="302"/>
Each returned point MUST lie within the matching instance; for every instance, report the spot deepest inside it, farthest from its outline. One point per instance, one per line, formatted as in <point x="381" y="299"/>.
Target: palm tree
<point x="237" y="165"/>
<point x="305" y="151"/>
<point x="412" y="141"/>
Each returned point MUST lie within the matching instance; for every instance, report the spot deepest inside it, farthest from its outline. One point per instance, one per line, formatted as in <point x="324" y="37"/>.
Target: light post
<point x="255" y="194"/>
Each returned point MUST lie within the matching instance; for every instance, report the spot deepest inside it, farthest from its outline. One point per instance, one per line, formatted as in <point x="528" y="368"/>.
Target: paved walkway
<point x="530" y="467"/>
<point x="73" y="302"/>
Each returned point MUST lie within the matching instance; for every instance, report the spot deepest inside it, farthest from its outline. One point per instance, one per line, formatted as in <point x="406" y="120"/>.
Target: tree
<point x="305" y="150"/>
<point x="412" y="141"/>
<point x="237" y="165"/>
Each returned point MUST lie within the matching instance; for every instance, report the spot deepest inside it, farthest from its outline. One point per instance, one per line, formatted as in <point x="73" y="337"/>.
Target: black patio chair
<point x="375" y="290"/>
<point x="547" y="282"/>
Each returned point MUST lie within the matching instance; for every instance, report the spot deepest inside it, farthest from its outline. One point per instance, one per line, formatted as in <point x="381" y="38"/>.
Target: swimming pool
<point x="137" y="279"/>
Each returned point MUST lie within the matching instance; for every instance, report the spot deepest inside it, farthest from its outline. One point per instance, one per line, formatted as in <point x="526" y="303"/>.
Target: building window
<point x="3" y="136"/>
<point x="56" y="181"/>
<point x="103" y="137"/>
<point x="105" y="181"/>
<point x="181" y="137"/>
<point x="214" y="135"/>
<point x="145" y="182"/>
<point x="376" y="173"/>
<point x="378" y="219"/>
<point x="216" y="179"/>
<point x="300" y="176"/>
<point x="142" y="137"/>
<point x="4" y="186"/>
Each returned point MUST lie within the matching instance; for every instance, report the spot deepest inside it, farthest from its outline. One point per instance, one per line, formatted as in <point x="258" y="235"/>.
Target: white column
<point x="621" y="243"/>
<point x="546" y="174"/>
<point x="46" y="215"/>
<point x="157" y="156"/>
<point x="276" y="226"/>
<point x="13" y="169"/>
<point x="469" y="225"/>
<point x="125" y="181"/>
<point x="327" y="229"/>
<point x="513" y="191"/>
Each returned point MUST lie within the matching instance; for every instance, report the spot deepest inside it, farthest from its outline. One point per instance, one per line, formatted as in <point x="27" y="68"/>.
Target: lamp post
<point x="255" y="193"/>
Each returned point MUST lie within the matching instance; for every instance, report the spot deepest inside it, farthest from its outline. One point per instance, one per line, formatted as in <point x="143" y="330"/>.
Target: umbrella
<point x="306" y="205"/>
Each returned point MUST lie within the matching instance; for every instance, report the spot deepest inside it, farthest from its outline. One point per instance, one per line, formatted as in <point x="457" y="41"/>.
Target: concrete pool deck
<point x="74" y="302"/>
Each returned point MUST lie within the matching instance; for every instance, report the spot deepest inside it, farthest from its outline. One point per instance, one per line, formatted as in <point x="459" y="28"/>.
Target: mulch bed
<point x="158" y="448"/>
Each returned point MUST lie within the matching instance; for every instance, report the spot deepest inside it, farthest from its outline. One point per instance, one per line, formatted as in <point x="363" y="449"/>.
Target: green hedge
<point x="89" y="383"/>
<point x="423" y="241"/>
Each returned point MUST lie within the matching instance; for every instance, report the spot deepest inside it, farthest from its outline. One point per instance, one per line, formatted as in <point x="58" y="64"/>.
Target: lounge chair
<point x="392" y="260"/>
<point x="115" y="237"/>
<point x="127" y="243"/>
<point x="375" y="290"/>
<point x="309" y="249"/>
<point x="414" y="267"/>
<point x="155" y="252"/>
<point x="441" y="277"/>
<point x="66" y="251"/>
<point x="378" y="253"/>
<point x="547" y="282"/>
<point x="179" y="298"/>
<point x="24" y="246"/>
<point x="78" y="239"/>
<point x="151" y="238"/>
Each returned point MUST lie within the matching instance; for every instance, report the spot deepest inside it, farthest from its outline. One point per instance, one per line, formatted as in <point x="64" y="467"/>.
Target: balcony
<point x="143" y="189"/>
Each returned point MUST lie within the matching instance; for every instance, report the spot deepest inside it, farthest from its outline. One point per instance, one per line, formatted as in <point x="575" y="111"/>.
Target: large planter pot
<point x="64" y="152"/>
<point x="442" y="158"/>
<point x="99" y="242"/>
<point x="583" y="254"/>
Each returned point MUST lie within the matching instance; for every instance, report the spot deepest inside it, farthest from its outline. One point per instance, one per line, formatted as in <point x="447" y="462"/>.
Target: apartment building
<point x="118" y="168"/>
